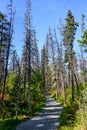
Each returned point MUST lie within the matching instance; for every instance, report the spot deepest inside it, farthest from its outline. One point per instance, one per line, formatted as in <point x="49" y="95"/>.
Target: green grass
<point x="9" y="124"/>
<point x="36" y="109"/>
<point x="68" y="117"/>
<point x="73" y="116"/>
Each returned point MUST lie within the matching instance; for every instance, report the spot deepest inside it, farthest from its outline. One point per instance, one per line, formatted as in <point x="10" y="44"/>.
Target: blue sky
<point x="44" y="13"/>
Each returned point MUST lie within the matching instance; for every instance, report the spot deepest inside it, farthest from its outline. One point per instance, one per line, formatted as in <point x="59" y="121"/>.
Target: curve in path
<point x="46" y="120"/>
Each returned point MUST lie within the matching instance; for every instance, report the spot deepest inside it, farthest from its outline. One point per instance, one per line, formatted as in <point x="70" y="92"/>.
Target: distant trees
<point x="59" y="56"/>
<point x="52" y="58"/>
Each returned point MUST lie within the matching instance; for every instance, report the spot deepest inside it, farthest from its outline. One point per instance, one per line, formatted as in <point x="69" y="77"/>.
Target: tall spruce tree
<point x="68" y="39"/>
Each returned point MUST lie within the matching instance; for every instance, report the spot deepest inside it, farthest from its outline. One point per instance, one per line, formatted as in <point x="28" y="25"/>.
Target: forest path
<point x="46" y="120"/>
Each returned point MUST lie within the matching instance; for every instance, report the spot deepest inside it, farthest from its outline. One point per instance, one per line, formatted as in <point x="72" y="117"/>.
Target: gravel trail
<point x="46" y="120"/>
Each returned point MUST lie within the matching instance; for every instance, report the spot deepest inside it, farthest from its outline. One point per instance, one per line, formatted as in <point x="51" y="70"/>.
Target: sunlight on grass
<point x="11" y="123"/>
<point x="74" y="115"/>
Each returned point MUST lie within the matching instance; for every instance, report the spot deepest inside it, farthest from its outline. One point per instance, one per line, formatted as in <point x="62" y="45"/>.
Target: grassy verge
<point x="11" y="123"/>
<point x="74" y="114"/>
<point x="68" y="117"/>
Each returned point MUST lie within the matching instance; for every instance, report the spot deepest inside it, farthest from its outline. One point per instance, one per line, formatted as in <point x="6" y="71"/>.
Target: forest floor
<point x="46" y="120"/>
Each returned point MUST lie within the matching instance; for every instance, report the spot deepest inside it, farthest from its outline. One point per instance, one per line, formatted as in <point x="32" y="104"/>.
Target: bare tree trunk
<point x="72" y="85"/>
<point x="63" y="87"/>
<point x="76" y="82"/>
<point x="69" y="78"/>
<point x="25" y="84"/>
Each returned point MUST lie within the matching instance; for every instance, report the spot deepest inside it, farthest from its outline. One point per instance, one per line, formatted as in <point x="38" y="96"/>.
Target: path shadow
<point x="48" y="119"/>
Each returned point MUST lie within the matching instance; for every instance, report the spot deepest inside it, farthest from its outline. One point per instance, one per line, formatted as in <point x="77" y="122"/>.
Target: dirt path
<point x="46" y="120"/>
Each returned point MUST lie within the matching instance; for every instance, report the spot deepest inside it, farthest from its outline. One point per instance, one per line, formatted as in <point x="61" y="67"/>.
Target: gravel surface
<point x="46" y="120"/>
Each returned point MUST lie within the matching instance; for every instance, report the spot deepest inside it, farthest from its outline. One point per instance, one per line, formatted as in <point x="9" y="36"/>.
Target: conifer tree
<point x="35" y="53"/>
<point x="27" y="52"/>
<point x="68" y="39"/>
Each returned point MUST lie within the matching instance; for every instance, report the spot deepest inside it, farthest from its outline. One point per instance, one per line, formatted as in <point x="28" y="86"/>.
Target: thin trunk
<point x="72" y="85"/>
<point x="63" y="87"/>
<point x="18" y="95"/>
<point x="69" y="78"/>
<point x="76" y="82"/>
<point x="25" y="84"/>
